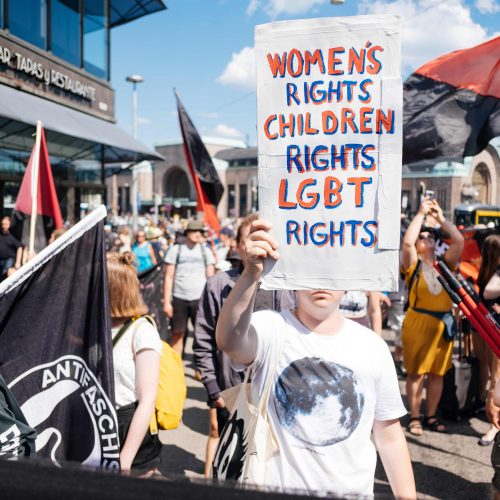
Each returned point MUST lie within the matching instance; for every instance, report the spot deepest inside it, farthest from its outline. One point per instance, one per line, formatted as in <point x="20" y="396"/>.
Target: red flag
<point x="208" y="186"/>
<point x="48" y="210"/>
<point x="452" y="104"/>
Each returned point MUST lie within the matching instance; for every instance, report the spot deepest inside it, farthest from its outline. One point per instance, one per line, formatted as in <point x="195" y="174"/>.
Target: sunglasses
<point x="426" y="237"/>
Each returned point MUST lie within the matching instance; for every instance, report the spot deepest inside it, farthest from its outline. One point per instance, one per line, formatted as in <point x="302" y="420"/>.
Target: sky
<point x="204" y="49"/>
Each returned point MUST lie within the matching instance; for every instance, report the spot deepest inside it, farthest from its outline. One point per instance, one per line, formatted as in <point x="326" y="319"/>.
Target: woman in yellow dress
<point x="428" y="325"/>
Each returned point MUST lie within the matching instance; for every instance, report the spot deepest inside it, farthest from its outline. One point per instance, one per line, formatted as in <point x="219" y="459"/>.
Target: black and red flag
<point x="209" y="189"/>
<point x="37" y="178"/>
<point x="451" y="104"/>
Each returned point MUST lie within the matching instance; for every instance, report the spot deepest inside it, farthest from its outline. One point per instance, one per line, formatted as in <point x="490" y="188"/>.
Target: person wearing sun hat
<point x="188" y="267"/>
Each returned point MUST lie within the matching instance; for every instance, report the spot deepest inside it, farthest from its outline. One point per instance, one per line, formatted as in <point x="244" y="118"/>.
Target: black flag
<point x="55" y="347"/>
<point x="452" y="104"/>
<point x="152" y="287"/>
<point x="209" y="189"/>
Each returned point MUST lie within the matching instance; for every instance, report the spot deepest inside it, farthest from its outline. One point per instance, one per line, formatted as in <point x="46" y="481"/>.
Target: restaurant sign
<point x="40" y="74"/>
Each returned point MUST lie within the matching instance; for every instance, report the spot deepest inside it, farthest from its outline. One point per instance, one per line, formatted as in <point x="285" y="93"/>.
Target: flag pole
<point x="34" y="187"/>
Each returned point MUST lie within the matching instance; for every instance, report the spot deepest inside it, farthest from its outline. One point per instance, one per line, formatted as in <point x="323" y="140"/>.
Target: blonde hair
<point x="124" y="292"/>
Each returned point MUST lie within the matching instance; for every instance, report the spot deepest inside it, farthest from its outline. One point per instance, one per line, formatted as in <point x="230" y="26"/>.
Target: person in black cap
<point x="188" y="267"/>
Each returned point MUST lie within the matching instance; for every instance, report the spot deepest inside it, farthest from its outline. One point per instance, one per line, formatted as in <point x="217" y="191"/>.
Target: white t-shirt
<point x="190" y="270"/>
<point x="141" y="334"/>
<point x="327" y="392"/>
<point x="354" y="304"/>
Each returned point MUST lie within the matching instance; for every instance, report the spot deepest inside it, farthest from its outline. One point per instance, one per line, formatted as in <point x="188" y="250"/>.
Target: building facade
<point x="55" y="67"/>
<point x="175" y="190"/>
<point x="454" y="181"/>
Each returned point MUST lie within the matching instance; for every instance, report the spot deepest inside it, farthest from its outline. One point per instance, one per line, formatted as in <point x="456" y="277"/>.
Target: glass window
<point x="65" y="30"/>
<point x="243" y="199"/>
<point x="441" y="197"/>
<point x="95" y="38"/>
<point x="231" y="200"/>
<point x="28" y="20"/>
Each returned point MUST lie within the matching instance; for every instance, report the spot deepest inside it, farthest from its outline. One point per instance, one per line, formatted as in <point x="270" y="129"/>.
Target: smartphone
<point x="430" y="194"/>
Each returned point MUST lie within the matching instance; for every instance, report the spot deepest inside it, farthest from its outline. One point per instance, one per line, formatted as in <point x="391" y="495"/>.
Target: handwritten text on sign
<point x="321" y="119"/>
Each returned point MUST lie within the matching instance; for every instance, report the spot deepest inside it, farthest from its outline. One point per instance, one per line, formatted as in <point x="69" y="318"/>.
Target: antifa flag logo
<point x="230" y="455"/>
<point x="56" y="349"/>
<point x="68" y="386"/>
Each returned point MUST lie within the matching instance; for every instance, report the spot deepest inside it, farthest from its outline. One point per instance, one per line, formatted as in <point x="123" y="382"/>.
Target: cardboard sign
<point x="329" y="102"/>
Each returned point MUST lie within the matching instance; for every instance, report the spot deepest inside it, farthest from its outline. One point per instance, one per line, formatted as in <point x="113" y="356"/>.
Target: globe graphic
<point x="318" y="402"/>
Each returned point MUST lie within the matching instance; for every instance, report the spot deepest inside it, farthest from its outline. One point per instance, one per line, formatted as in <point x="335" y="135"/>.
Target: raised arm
<point x="452" y="255"/>
<point x="234" y="335"/>
<point x="411" y="235"/>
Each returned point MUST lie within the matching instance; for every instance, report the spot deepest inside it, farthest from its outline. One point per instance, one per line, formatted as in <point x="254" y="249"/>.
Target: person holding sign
<point x="333" y="383"/>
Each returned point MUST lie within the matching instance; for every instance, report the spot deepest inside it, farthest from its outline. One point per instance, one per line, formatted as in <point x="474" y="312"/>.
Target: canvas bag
<point x="247" y="441"/>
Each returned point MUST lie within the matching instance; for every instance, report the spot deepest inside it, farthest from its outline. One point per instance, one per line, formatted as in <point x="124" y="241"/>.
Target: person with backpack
<point x="428" y="327"/>
<point x="188" y="266"/>
<point x="320" y="385"/>
<point x="217" y="374"/>
<point x="137" y="349"/>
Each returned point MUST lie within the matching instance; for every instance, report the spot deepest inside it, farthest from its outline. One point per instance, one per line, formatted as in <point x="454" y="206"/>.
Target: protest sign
<point x="329" y="105"/>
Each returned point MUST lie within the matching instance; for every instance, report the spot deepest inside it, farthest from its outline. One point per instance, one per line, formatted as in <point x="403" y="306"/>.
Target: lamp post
<point x="134" y="80"/>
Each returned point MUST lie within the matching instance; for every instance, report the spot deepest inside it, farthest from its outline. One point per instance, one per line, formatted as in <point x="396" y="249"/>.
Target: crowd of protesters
<point x="201" y="270"/>
<point x="211" y="287"/>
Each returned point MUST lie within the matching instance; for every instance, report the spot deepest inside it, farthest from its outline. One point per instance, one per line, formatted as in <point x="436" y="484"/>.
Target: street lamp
<point x="134" y="80"/>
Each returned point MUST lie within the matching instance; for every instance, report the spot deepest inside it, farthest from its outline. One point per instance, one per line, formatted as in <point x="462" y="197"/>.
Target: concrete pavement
<point x="446" y="466"/>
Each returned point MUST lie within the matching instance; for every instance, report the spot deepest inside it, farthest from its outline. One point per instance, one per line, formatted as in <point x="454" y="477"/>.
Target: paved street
<point x="449" y="466"/>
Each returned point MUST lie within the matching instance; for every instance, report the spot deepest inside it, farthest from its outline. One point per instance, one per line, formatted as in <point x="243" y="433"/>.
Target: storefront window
<point x="28" y="20"/>
<point x="65" y="30"/>
<point x="95" y="38"/>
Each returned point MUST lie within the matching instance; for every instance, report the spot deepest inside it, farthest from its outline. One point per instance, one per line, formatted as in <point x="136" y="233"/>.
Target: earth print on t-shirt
<point x="318" y="402"/>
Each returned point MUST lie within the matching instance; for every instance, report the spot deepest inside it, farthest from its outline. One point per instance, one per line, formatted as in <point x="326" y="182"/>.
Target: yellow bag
<point x="172" y="392"/>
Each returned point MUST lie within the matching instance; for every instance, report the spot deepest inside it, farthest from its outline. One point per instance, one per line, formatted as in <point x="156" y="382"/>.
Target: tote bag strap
<point x="268" y="386"/>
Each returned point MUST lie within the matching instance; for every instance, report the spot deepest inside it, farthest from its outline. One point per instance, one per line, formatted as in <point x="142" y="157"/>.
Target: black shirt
<point x="8" y="246"/>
